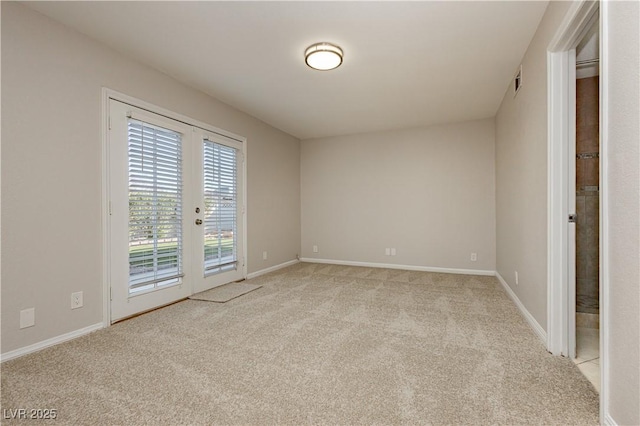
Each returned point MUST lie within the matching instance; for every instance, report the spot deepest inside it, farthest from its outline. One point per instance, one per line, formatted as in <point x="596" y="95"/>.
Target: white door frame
<point x="123" y="302"/>
<point x="107" y="95"/>
<point x="561" y="143"/>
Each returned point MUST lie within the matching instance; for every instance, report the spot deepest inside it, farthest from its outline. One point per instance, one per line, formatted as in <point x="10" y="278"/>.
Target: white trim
<point x="245" y="233"/>
<point x="605" y="284"/>
<point x="104" y="212"/>
<point x="272" y="268"/>
<point x="557" y="213"/>
<point x="537" y="328"/>
<point x="570" y="206"/>
<point x="560" y="110"/>
<point x="574" y="25"/>
<point x="405" y="267"/>
<point x="138" y="103"/>
<point x="608" y="420"/>
<point x="50" y="342"/>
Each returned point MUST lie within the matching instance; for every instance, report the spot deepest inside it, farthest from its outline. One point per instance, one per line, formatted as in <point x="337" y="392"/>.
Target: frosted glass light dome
<point x="323" y="56"/>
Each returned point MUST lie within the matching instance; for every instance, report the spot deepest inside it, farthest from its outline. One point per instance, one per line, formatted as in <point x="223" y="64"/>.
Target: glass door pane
<point x="220" y="208"/>
<point x="155" y="206"/>
<point x="150" y="240"/>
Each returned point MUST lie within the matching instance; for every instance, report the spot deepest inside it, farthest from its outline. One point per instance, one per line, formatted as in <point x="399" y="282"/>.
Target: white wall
<point x="521" y="174"/>
<point x="51" y="170"/>
<point x="428" y="192"/>
<point x="623" y="138"/>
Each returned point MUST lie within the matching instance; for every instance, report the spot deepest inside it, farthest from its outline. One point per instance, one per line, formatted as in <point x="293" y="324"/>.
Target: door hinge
<point x="573" y="218"/>
<point x="110" y="294"/>
<point x="109" y="122"/>
<point x="110" y="211"/>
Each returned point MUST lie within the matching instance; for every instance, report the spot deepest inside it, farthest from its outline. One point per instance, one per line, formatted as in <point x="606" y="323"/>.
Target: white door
<point x="571" y="208"/>
<point x="175" y="194"/>
<point x="218" y="246"/>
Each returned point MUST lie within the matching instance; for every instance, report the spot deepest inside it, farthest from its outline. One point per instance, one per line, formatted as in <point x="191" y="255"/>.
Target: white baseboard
<point x="608" y="420"/>
<point x="272" y="268"/>
<point x="405" y="267"/>
<point x="537" y="328"/>
<point x="50" y="342"/>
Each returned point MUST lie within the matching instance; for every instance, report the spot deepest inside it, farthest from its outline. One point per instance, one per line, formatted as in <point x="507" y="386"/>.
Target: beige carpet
<point x="225" y="292"/>
<point x="318" y="344"/>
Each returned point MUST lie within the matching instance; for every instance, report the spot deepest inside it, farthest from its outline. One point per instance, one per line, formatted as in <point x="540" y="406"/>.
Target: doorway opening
<point x="174" y="189"/>
<point x="587" y="206"/>
<point x="562" y="267"/>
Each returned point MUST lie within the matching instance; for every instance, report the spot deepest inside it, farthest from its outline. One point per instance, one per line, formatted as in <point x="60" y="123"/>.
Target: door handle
<point x="198" y="221"/>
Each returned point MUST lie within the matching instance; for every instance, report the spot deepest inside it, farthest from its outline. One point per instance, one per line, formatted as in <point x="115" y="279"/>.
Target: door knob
<point x="198" y="221"/>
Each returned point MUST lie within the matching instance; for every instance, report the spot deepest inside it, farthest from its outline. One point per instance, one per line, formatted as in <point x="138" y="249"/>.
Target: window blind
<point x="155" y="206"/>
<point x="220" y="199"/>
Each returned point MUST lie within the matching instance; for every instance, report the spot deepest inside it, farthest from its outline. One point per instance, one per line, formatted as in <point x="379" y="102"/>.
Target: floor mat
<point x="225" y="292"/>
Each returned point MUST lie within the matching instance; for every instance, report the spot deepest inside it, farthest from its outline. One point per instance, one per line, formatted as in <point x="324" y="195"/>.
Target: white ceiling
<point x="406" y="64"/>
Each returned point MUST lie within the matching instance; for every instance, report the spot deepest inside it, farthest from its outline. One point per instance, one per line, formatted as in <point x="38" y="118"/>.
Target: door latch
<point x="573" y="217"/>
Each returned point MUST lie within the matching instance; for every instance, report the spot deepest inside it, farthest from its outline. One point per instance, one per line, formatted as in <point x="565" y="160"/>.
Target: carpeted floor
<point x="226" y="292"/>
<point x="317" y="344"/>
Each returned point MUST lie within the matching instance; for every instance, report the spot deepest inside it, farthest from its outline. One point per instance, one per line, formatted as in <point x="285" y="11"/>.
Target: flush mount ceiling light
<point x="323" y="56"/>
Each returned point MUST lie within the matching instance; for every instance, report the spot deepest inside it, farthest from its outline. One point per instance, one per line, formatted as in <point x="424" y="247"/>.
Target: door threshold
<point x="148" y="310"/>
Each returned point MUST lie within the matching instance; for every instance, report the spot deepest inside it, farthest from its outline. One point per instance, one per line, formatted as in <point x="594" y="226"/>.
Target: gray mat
<point x="225" y="292"/>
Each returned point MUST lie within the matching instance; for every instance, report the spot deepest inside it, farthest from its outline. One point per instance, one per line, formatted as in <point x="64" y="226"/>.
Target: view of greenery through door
<point x="155" y="206"/>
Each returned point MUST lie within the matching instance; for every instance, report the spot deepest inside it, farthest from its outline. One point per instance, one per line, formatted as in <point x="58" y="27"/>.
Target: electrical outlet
<point x="76" y="300"/>
<point x="393" y="251"/>
<point x="387" y="252"/>
<point x="516" y="277"/>
<point x="27" y="317"/>
<point x="474" y="257"/>
<point x="315" y="249"/>
<point x="264" y="255"/>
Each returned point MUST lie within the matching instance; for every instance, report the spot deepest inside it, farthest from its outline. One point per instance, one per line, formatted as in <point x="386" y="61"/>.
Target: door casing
<point x="561" y="168"/>
<point x="107" y="96"/>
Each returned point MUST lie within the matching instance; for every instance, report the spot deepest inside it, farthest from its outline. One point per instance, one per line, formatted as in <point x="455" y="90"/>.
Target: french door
<point x="176" y="210"/>
<point x="218" y="245"/>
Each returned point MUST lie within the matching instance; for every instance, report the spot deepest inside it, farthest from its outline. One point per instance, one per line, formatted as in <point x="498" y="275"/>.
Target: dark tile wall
<point x="587" y="195"/>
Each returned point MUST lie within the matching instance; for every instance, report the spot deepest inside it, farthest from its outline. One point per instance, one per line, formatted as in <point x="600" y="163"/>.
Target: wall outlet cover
<point x="76" y="300"/>
<point x="27" y="317"/>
